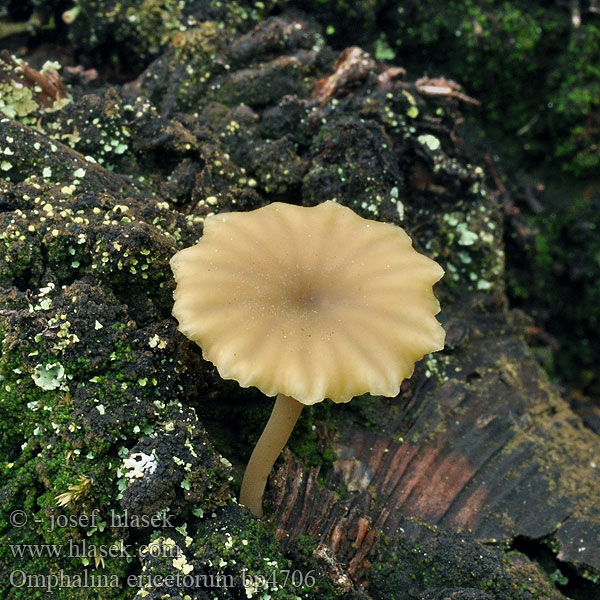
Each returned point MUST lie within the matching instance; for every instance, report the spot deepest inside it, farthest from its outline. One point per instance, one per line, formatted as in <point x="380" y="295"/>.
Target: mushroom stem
<point x="269" y="446"/>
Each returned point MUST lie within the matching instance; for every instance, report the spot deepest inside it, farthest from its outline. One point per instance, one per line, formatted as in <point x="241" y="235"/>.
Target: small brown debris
<point x="353" y="65"/>
<point x="51" y="86"/>
<point x="438" y="87"/>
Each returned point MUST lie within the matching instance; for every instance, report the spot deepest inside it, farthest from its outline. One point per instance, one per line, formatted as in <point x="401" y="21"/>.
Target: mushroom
<point x="305" y="304"/>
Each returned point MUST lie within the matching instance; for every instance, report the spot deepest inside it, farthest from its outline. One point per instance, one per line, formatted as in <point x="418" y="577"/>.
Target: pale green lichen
<point x="413" y="111"/>
<point x="477" y="258"/>
<point x="465" y="236"/>
<point x="49" y="376"/>
<point x="429" y="141"/>
<point x="16" y="100"/>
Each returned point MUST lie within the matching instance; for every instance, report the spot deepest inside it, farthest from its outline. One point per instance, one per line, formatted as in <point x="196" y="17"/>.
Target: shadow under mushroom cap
<point x="312" y="303"/>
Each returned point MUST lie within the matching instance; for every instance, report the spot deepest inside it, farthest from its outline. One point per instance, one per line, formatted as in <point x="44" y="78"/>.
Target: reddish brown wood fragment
<point x="353" y="65"/>
<point x="47" y="87"/>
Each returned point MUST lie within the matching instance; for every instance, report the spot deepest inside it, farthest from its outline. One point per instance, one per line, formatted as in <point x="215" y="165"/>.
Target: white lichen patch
<point x="50" y="65"/>
<point x="251" y="587"/>
<point x="225" y="462"/>
<point x="431" y="366"/>
<point x="181" y="564"/>
<point x="399" y="204"/>
<point x="465" y="236"/>
<point x="68" y="189"/>
<point x="62" y="327"/>
<point x="429" y="141"/>
<point x="138" y="464"/>
<point x="157" y="342"/>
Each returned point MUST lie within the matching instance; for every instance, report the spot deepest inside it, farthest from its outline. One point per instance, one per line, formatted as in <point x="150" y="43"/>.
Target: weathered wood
<point x="485" y="446"/>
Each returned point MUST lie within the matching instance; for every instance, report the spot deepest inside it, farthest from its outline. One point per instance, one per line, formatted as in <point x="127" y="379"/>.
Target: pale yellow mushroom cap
<point x="312" y="303"/>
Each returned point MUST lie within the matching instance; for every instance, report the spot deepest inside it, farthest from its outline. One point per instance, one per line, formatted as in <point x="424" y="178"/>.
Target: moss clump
<point x="143" y="26"/>
<point x="229" y="554"/>
<point x="576" y="102"/>
<point x="533" y="73"/>
<point x="55" y="458"/>
<point x="565" y="293"/>
<point x="129" y="31"/>
<point x="345" y="20"/>
<point x="92" y="374"/>
<point x="81" y="397"/>
<point x="496" y="48"/>
<point x="247" y="551"/>
<point x="446" y="562"/>
<point x="311" y="441"/>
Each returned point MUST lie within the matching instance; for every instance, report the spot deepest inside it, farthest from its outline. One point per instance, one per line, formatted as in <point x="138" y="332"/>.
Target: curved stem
<point x="269" y="446"/>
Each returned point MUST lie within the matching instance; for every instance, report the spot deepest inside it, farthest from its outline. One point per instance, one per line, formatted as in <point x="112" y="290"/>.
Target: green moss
<point x="576" y="102"/>
<point x="247" y="551"/>
<point x="60" y="443"/>
<point x="533" y="75"/>
<point x="51" y="461"/>
<point x="144" y="28"/>
<point x="406" y="568"/>
<point x="231" y="554"/>
<point x="150" y="23"/>
<point x="490" y="39"/>
<point x="566" y="257"/>
<point x="82" y="380"/>
<point x="309" y="440"/>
